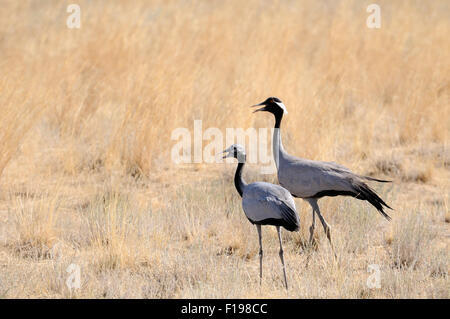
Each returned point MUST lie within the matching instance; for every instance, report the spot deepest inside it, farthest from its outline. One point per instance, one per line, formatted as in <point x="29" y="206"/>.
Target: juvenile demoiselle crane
<point x="312" y="180"/>
<point x="264" y="204"/>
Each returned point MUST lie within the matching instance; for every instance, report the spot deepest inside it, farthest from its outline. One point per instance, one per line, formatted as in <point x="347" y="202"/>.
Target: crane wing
<point x="269" y="204"/>
<point x="313" y="179"/>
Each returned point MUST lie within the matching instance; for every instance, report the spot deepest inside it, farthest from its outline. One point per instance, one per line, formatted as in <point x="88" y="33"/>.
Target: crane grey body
<point x="269" y="204"/>
<point x="312" y="180"/>
<point x="264" y="204"/>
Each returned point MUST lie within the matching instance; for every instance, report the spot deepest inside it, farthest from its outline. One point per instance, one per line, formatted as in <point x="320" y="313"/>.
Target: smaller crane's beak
<point x="261" y="109"/>
<point x="225" y="156"/>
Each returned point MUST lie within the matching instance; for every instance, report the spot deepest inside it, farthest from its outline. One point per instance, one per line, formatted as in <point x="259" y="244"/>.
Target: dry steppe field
<point x="86" y="176"/>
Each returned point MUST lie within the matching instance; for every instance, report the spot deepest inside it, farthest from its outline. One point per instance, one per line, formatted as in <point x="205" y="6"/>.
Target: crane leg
<point x="281" y="256"/>
<point x="258" y="227"/>
<point x="326" y="228"/>
<point x="313" y="203"/>
<point x="311" y="228"/>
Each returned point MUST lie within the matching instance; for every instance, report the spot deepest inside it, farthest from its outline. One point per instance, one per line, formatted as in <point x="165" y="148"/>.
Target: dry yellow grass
<point x="85" y="141"/>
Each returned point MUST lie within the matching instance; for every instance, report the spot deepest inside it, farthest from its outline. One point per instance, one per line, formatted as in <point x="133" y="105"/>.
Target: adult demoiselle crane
<point x="264" y="204"/>
<point x="312" y="180"/>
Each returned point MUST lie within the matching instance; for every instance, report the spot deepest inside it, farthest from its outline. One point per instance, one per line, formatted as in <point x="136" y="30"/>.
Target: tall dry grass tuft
<point x="114" y="232"/>
<point x="412" y="240"/>
<point x="18" y="115"/>
<point x="36" y="231"/>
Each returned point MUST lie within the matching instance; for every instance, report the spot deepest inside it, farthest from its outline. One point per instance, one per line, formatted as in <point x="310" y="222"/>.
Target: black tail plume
<point x="376" y="179"/>
<point x="364" y="192"/>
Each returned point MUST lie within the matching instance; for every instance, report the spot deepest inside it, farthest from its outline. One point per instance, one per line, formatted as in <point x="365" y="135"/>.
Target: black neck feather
<point x="238" y="181"/>
<point x="278" y="118"/>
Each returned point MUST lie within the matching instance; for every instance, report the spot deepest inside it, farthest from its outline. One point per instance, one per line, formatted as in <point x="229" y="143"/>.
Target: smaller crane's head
<point x="272" y="105"/>
<point x="237" y="151"/>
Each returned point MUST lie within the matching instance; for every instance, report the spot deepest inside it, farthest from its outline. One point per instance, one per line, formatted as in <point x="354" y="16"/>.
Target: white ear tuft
<point x="283" y="107"/>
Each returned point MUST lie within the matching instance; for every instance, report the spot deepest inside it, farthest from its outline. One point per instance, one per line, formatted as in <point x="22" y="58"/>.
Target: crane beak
<point x="261" y="109"/>
<point x="226" y="155"/>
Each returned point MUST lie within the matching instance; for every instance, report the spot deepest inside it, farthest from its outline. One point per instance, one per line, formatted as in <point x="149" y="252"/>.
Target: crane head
<point x="237" y="151"/>
<point x="272" y="105"/>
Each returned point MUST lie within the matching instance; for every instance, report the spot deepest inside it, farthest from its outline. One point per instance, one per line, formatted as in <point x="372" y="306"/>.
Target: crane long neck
<point x="278" y="118"/>
<point x="278" y="150"/>
<point x="238" y="181"/>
